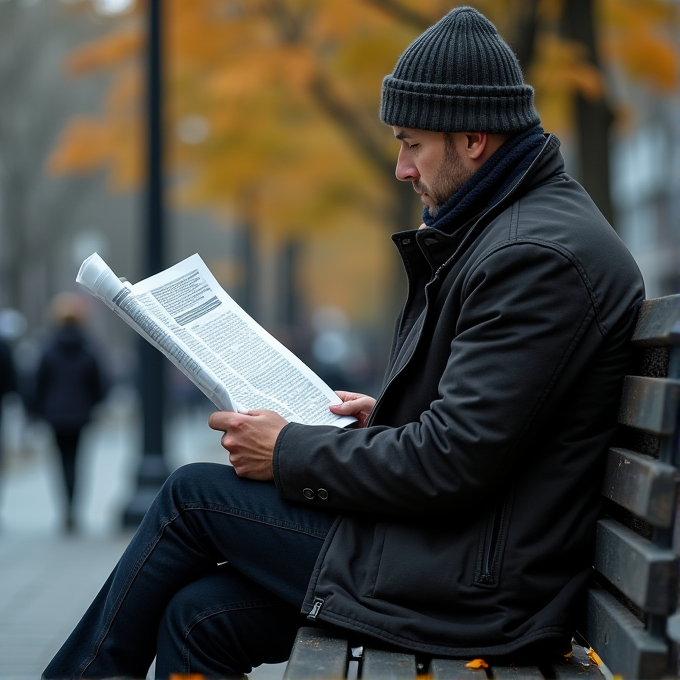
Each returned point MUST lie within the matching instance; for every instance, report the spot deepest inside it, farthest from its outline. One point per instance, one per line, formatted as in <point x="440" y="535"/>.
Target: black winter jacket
<point x="467" y="506"/>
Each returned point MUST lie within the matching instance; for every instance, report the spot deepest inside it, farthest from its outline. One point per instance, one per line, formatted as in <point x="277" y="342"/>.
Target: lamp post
<point x="153" y="469"/>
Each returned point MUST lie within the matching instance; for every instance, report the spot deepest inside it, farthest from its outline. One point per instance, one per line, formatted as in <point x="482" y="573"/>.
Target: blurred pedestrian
<point x="8" y="379"/>
<point x="69" y="383"/>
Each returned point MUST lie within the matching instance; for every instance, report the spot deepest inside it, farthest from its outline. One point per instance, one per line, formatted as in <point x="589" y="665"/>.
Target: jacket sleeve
<point x="524" y="312"/>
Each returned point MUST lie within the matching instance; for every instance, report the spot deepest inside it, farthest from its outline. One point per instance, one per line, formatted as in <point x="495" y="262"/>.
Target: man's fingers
<point x="349" y="396"/>
<point x="357" y="405"/>
<point x="218" y="420"/>
<point x="221" y="420"/>
<point x="249" y="438"/>
<point x="347" y="408"/>
<point x="361" y="403"/>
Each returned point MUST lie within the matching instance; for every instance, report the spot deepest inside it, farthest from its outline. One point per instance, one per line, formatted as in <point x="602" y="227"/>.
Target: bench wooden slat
<point x="643" y="572"/>
<point x="650" y="404"/>
<point x="317" y="655"/>
<point x="642" y="485"/>
<point x="658" y="323"/>
<point x="620" y="639"/>
<point x="450" y="669"/>
<point x="578" y="667"/>
<point x="381" y="665"/>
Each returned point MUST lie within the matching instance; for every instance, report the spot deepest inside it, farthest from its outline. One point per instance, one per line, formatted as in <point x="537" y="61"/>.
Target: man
<point x="457" y="518"/>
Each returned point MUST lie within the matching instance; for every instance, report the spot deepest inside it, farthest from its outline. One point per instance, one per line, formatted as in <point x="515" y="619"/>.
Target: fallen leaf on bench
<point x="592" y="655"/>
<point x="477" y="663"/>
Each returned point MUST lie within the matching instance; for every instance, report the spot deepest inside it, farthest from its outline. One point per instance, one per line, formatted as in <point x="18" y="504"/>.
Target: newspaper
<point x="237" y="364"/>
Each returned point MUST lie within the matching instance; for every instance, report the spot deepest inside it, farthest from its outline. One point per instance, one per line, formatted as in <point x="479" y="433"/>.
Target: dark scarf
<point x="490" y="183"/>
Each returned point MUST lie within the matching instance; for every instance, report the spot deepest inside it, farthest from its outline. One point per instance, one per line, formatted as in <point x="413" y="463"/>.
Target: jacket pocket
<point x="421" y="566"/>
<point x="374" y="559"/>
<point x="493" y="538"/>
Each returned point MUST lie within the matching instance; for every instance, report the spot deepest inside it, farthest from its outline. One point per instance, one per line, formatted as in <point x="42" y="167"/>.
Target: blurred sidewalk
<point x="47" y="577"/>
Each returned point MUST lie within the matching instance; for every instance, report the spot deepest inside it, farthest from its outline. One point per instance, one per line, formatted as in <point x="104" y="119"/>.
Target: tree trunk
<point x="524" y="39"/>
<point x="593" y="119"/>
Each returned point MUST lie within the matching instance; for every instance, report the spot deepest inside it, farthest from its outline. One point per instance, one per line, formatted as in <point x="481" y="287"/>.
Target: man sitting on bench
<point x="457" y="518"/>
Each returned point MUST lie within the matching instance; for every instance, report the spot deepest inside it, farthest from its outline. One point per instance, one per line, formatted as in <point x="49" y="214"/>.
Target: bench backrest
<point x="633" y="621"/>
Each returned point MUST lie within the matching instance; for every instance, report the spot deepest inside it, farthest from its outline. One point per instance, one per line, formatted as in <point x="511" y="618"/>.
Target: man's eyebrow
<point x="403" y="135"/>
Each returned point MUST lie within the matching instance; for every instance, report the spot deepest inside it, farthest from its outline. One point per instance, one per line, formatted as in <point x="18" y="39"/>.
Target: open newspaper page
<point x="237" y="364"/>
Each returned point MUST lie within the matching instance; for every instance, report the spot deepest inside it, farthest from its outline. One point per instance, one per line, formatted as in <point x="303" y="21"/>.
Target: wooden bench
<point x="633" y="621"/>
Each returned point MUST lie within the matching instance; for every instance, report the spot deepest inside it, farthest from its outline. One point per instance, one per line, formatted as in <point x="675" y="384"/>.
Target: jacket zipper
<point x="316" y="608"/>
<point x="491" y="546"/>
<point x="392" y="379"/>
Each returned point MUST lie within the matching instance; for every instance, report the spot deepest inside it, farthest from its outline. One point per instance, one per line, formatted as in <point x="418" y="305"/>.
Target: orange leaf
<point x="569" y="655"/>
<point x="592" y="655"/>
<point x="477" y="663"/>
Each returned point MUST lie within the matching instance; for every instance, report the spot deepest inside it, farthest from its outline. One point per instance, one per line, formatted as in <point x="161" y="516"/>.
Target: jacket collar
<point x="438" y="247"/>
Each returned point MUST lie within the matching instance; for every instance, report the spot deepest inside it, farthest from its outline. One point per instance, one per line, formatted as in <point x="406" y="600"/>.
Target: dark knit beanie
<point x="459" y="76"/>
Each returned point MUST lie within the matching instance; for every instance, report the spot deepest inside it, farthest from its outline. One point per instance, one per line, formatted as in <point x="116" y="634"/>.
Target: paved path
<point x="47" y="578"/>
<point x="46" y="586"/>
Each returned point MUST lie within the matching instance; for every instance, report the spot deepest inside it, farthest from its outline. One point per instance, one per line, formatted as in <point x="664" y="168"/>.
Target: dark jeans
<point x="67" y="443"/>
<point x="172" y="595"/>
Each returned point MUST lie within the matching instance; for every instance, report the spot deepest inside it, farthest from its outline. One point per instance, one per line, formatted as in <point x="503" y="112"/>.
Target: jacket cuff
<point x="276" y="462"/>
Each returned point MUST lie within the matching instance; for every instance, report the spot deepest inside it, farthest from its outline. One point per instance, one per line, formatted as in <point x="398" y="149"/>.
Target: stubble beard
<point x="450" y="176"/>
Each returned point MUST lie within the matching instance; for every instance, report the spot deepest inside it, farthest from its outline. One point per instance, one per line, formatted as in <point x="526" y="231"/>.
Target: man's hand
<point x="354" y="404"/>
<point x="249" y="438"/>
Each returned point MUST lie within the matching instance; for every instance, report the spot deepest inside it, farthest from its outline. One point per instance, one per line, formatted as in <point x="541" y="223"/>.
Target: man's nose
<point x="406" y="171"/>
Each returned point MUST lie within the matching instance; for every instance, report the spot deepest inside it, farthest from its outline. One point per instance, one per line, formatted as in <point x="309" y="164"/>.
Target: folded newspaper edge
<point x="184" y="313"/>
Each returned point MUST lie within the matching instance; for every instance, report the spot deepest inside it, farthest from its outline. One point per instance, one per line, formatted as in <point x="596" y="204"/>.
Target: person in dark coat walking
<point x="8" y="375"/>
<point x="8" y="380"/>
<point x="457" y="518"/>
<point x="69" y="383"/>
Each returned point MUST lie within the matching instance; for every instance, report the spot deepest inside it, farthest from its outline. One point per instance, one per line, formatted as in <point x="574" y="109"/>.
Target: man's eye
<point x="413" y="146"/>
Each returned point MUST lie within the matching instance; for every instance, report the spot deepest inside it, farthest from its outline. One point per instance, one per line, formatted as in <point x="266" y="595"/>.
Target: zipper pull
<point x="316" y="608"/>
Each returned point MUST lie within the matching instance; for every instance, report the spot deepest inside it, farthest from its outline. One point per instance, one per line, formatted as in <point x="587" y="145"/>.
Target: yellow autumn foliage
<point x="641" y="40"/>
<point x="283" y="95"/>
<point x="106" y="51"/>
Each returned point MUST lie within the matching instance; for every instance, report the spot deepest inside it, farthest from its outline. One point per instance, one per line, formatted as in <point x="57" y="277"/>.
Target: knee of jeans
<point x="192" y="474"/>
<point x="182" y="484"/>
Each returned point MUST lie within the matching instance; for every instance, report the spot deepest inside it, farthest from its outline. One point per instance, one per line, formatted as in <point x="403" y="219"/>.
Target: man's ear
<point x="475" y="144"/>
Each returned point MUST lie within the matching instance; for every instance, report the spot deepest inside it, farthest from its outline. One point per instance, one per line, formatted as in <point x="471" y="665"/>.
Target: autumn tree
<point x="275" y="104"/>
<point x="275" y="101"/>
<point x="35" y="213"/>
<point x="570" y="48"/>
